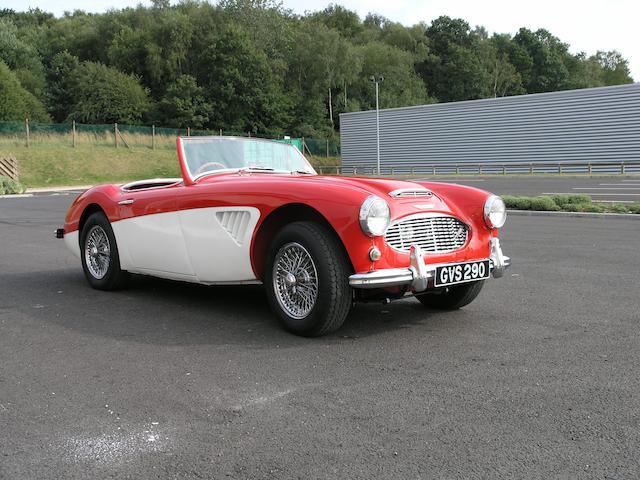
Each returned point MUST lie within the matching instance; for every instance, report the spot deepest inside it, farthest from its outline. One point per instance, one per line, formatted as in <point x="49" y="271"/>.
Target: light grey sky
<point x="586" y="25"/>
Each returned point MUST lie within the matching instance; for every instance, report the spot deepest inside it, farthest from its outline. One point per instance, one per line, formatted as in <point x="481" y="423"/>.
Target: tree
<point x="615" y="69"/>
<point x="546" y="69"/>
<point x="102" y="94"/>
<point x="60" y="78"/>
<point x="17" y="103"/>
<point x="453" y="71"/>
<point x="240" y="86"/>
<point x="184" y="105"/>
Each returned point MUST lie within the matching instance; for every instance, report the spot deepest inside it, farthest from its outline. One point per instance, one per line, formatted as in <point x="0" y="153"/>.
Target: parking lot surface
<point x="613" y="188"/>
<point x="538" y="378"/>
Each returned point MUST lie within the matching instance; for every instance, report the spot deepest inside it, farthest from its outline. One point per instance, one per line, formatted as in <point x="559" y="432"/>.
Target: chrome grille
<point x="434" y="234"/>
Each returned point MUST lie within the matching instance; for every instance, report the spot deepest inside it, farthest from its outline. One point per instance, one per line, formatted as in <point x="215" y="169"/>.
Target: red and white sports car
<point x="255" y="211"/>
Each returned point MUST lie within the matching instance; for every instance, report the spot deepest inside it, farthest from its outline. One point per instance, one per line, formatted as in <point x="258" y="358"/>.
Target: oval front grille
<point x="434" y="234"/>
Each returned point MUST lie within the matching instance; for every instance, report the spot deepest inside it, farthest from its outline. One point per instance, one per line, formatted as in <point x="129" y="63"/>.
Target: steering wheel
<point x="203" y="167"/>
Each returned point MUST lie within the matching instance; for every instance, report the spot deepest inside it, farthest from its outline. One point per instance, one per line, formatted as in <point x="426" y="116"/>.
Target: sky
<point x="586" y="25"/>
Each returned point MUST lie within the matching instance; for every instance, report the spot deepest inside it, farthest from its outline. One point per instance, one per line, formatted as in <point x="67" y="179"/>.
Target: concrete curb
<point x="17" y="195"/>
<point x="537" y="213"/>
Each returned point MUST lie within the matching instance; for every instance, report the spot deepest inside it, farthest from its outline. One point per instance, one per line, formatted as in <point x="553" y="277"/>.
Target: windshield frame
<point x="191" y="179"/>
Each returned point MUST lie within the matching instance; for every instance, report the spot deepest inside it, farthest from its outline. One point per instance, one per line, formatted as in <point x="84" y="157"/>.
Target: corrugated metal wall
<point x="589" y="125"/>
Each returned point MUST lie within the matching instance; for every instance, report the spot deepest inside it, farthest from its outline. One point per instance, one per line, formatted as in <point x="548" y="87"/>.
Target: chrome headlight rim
<point x="365" y="211"/>
<point x="492" y="206"/>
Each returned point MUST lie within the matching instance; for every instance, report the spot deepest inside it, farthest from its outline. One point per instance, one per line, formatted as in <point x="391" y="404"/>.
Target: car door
<point x="149" y="235"/>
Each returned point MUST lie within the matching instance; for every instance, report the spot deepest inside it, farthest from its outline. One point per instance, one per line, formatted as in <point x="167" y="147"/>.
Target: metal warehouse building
<point x="577" y="130"/>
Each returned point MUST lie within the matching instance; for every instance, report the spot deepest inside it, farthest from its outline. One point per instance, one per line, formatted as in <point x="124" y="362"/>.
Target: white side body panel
<point x="71" y="241"/>
<point x="203" y="245"/>
<point x="218" y="242"/>
<point x="153" y="244"/>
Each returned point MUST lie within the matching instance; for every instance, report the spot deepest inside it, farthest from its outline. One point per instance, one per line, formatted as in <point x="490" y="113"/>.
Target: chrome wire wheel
<point x="97" y="252"/>
<point x="295" y="280"/>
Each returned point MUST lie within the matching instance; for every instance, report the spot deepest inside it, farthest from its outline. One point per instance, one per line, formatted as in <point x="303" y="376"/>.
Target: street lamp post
<point x="377" y="79"/>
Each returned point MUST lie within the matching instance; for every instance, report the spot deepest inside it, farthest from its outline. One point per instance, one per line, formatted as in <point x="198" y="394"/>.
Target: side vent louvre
<point x="235" y="223"/>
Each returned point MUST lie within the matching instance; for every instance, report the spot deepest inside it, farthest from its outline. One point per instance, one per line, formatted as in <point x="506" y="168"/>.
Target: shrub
<point x="567" y="201"/>
<point x="619" y="208"/>
<point x="9" y="186"/>
<point x="590" y="207"/>
<point x="543" y="203"/>
<point x="634" y="208"/>
<point x="519" y="203"/>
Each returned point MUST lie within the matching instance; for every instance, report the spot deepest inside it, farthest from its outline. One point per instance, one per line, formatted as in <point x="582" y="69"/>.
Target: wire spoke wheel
<point x="97" y="252"/>
<point x="295" y="280"/>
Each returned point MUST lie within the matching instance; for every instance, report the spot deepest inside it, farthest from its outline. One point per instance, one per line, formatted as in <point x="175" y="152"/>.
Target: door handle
<point x="128" y="201"/>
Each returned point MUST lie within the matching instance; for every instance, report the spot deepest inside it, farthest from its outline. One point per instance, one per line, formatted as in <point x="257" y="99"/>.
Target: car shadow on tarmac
<point x="157" y="311"/>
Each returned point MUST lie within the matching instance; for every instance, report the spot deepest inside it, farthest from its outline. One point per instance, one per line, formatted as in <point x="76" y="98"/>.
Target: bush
<point x="634" y="208"/>
<point x="590" y="207"/>
<point x="619" y="208"/>
<point x="567" y="201"/>
<point x="519" y="203"/>
<point x="543" y="203"/>
<point x="9" y="186"/>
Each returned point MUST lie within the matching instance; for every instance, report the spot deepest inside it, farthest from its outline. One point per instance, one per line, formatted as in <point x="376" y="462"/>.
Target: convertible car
<point x="255" y="211"/>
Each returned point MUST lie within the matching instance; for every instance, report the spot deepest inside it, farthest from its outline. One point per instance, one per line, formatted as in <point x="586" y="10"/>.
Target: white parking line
<point x="589" y="193"/>
<point x="610" y="188"/>
<point x="618" y="184"/>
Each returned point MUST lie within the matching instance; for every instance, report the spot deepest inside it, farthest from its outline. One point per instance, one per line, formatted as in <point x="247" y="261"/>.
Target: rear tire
<point x="307" y="279"/>
<point x="99" y="254"/>
<point x="456" y="297"/>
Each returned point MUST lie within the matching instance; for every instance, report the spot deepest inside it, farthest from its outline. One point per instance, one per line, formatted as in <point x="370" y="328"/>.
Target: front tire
<point x="453" y="297"/>
<point x="307" y="279"/>
<point x="99" y="254"/>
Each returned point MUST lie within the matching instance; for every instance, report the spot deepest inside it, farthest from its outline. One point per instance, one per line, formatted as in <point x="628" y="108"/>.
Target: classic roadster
<point x="255" y="211"/>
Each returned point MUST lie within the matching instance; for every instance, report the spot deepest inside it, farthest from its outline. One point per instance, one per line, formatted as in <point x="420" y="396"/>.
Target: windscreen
<point x="208" y="155"/>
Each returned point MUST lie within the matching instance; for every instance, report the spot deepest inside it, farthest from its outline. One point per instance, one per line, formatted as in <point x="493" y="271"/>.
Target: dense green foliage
<point x="16" y="103"/>
<point x="567" y="203"/>
<point x="9" y="186"/>
<point x="252" y="66"/>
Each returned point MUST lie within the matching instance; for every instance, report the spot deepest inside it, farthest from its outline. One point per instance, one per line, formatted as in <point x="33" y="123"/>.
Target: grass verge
<point x="567" y="203"/>
<point x="52" y="161"/>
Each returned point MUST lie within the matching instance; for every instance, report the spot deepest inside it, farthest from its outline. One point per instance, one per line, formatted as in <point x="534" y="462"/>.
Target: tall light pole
<point x="377" y="79"/>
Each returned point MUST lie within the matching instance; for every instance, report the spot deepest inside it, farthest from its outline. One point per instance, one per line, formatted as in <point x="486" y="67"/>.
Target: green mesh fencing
<point x="130" y="136"/>
<point x="322" y="148"/>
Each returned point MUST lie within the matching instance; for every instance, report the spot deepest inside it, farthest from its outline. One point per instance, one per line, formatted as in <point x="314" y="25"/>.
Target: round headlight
<point x="374" y="216"/>
<point x="495" y="212"/>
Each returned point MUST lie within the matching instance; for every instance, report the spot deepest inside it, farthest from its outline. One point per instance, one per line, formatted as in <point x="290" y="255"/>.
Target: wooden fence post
<point x="115" y="133"/>
<point x="73" y="133"/>
<point x="153" y="137"/>
<point x="327" y="148"/>
<point x="188" y="131"/>
<point x="26" y="126"/>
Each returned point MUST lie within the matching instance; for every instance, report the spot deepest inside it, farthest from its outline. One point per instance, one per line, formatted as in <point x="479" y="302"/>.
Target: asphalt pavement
<point x="538" y="378"/>
<point x="613" y="188"/>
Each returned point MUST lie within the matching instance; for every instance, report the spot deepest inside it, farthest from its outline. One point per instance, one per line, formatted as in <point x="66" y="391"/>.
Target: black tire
<point x="114" y="278"/>
<point x="332" y="268"/>
<point x="453" y="297"/>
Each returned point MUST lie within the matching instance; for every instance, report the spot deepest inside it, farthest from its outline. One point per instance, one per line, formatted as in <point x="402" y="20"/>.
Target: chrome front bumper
<point x="418" y="275"/>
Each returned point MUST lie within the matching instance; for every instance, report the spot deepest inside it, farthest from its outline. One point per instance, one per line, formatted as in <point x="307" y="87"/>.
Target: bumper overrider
<point x="418" y="275"/>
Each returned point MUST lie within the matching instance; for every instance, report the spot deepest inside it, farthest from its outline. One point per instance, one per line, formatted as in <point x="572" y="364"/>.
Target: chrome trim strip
<point x="411" y="192"/>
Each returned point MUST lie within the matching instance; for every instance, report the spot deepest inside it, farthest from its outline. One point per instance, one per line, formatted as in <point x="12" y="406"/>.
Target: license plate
<point x="461" y="273"/>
